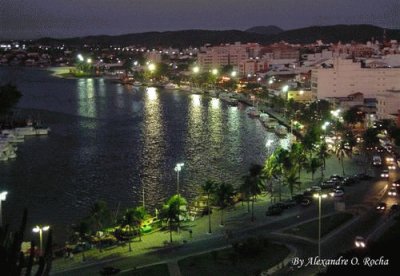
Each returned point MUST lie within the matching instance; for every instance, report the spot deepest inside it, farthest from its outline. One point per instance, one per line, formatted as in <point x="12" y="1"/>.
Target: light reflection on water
<point x="108" y="141"/>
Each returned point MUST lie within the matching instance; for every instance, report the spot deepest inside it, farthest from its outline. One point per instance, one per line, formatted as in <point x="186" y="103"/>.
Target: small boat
<point x="281" y="130"/>
<point x="171" y="86"/>
<point x="264" y="117"/>
<point x="253" y="112"/>
<point x="271" y="123"/>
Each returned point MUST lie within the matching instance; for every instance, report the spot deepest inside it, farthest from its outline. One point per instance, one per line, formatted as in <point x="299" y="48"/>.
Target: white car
<point x="359" y="242"/>
<point x="337" y="193"/>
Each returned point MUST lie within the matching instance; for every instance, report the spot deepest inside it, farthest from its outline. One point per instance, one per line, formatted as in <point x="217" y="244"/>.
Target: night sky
<point x="68" y="18"/>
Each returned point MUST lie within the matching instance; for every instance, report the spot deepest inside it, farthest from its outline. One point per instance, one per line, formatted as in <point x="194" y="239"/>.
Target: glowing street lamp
<point x="196" y="69"/>
<point x="151" y="67"/>
<point x="214" y="72"/>
<point x="40" y="229"/>
<point x="89" y="60"/>
<point x="319" y="196"/>
<point x="3" y="196"/>
<point x="80" y="57"/>
<point x="178" y="168"/>
<point x="233" y="74"/>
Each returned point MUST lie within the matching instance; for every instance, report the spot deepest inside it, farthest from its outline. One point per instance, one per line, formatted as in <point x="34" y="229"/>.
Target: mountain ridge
<point x="198" y="37"/>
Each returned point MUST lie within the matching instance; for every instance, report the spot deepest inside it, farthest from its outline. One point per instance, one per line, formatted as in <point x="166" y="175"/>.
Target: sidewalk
<point x="236" y="219"/>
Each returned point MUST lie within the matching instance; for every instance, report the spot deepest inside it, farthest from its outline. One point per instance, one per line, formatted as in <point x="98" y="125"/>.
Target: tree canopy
<point x="9" y="97"/>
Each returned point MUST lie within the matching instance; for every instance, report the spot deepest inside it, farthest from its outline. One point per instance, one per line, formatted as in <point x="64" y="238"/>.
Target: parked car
<point x="274" y="211"/>
<point x="362" y="176"/>
<point x="337" y="193"/>
<point x="330" y="183"/>
<point x="349" y="180"/>
<point x="305" y="202"/>
<point x="395" y="208"/>
<point x="336" y="177"/>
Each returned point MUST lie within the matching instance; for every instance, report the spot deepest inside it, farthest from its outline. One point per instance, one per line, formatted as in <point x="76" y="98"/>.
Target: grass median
<point x="329" y="223"/>
<point x="249" y="257"/>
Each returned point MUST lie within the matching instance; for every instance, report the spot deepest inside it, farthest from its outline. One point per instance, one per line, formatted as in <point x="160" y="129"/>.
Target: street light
<point x="40" y="229"/>
<point x="3" y="196"/>
<point x="196" y="69"/>
<point x="233" y="74"/>
<point x="319" y="196"/>
<point x="178" y="168"/>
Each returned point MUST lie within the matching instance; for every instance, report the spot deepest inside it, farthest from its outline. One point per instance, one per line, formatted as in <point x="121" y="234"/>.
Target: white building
<point x="346" y="77"/>
<point x="388" y="104"/>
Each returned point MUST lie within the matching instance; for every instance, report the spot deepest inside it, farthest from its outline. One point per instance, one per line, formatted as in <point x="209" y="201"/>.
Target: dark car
<point x="347" y="181"/>
<point x="289" y="203"/>
<point x="108" y="270"/>
<point x="362" y="176"/>
<point x="395" y="208"/>
<point x="305" y="202"/>
<point x="330" y="183"/>
<point x="336" y="177"/>
<point x="274" y="211"/>
<point x="298" y="198"/>
<point x="381" y="207"/>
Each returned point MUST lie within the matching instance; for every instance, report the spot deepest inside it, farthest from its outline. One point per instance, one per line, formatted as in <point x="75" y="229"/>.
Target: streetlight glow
<point x="214" y="71"/>
<point x="40" y="229"/>
<point x="233" y="74"/>
<point x="196" y="69"/>
<point x="319" y="196"/>
<point x="80" y="57"/>
<point x="89" y="60"/>
<point x="151" y="67"/>
<point x="285" y="88"/>
<point x="3" y="196"/>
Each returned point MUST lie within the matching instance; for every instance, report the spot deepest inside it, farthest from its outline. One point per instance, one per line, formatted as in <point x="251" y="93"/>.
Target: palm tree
<point x="291" y="180"/>
<point x="223" y="194"/>
<point x="253" y="184"/>
<point x="83" y="231"/>
<point x="100" y="214"/>
<point x="341" y="152"/>
<point x="171" y="211"/>
<point x="139" y="215"/>
<point x="127" y="222"/>
<point x="208" y="187"/>
<point x="312" y="166"/>
<point x="297" y="153"/>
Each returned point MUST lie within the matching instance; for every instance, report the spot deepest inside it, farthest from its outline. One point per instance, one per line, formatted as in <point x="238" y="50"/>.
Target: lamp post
<point x="319" y="196"/>
<point x="40" y="229"/>
<point x="3" y="196"/>
<point x="178" y="168"/>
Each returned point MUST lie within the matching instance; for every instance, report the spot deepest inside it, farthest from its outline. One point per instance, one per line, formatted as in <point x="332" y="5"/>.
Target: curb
<point x="283" y="263"/>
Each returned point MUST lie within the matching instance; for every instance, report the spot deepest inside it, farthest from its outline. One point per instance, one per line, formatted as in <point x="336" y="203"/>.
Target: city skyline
<point x="61" y="19"/>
